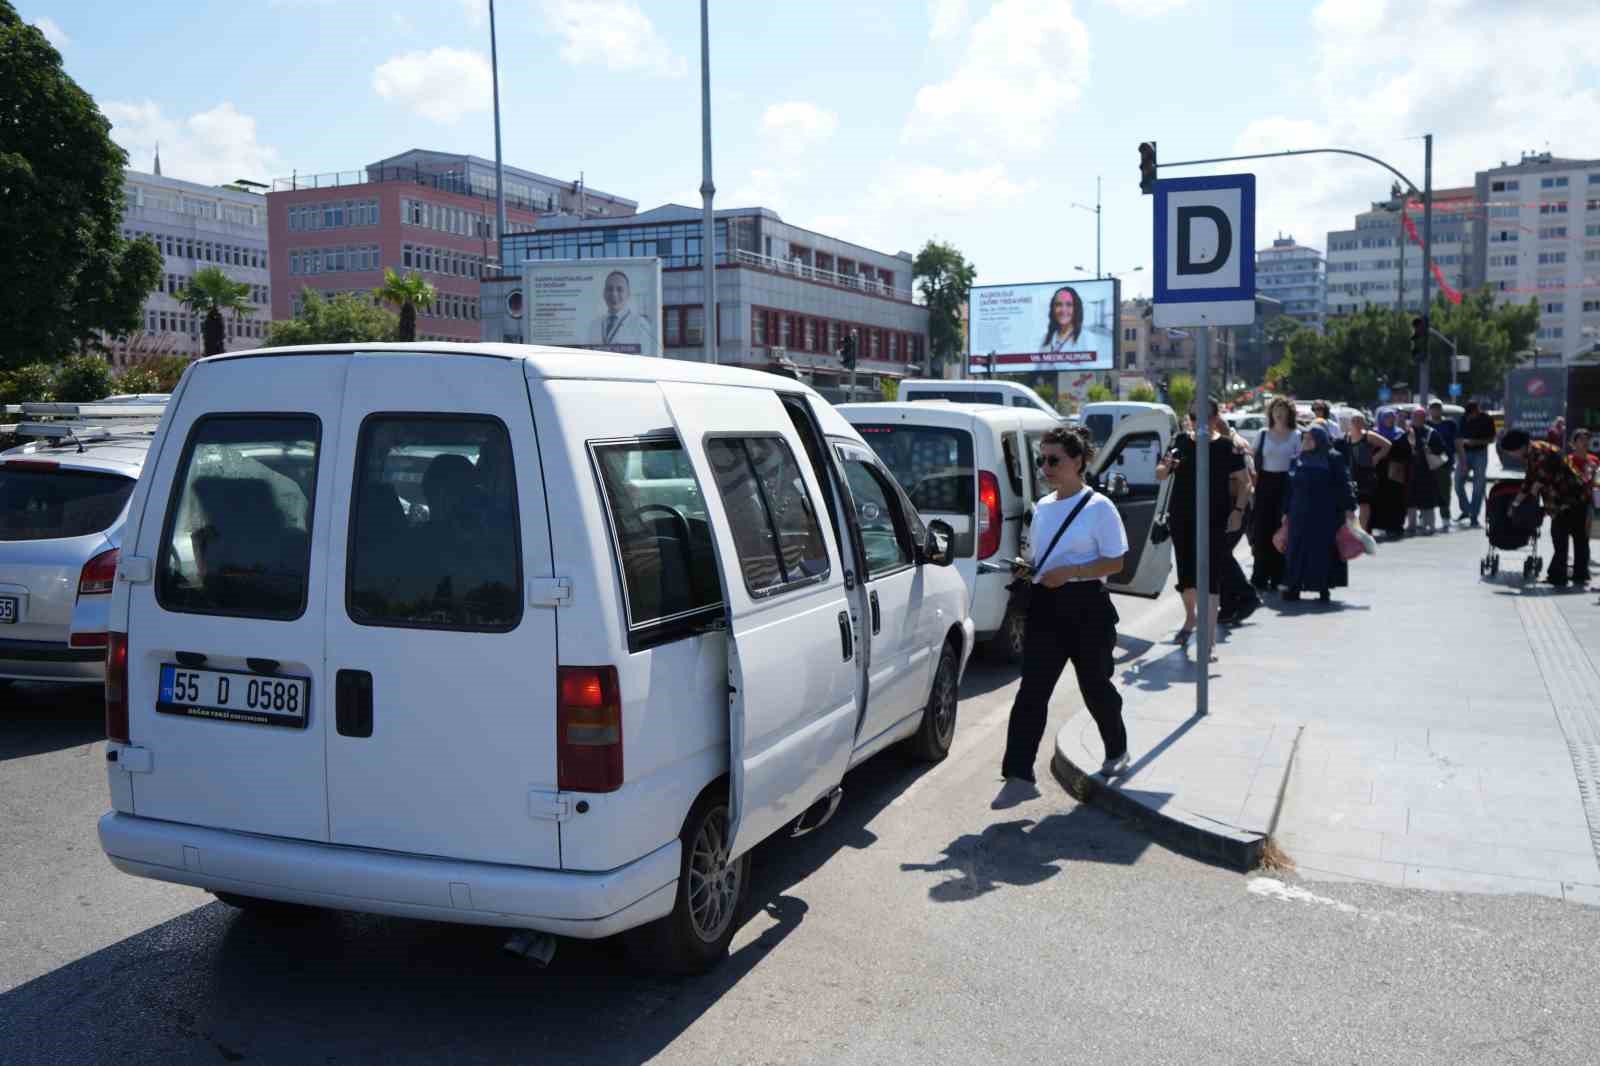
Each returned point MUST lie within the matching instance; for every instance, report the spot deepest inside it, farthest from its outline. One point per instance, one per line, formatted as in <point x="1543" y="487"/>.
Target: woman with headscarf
<point x="1319" y="502"/>
<point x="1389" y="498"/>
<point x="1065" y="322"/>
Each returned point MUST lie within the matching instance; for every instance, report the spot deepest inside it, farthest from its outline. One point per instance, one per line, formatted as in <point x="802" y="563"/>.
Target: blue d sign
<point x="1455" y="389"/>
<point x="1384" y="393"/>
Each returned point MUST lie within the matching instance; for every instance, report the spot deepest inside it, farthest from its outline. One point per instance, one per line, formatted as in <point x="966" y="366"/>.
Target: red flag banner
<point x="1451" y="294"/>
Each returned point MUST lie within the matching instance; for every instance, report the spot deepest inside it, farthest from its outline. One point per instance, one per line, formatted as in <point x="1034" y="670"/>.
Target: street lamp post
<point x="499" y="162"/>
<point x="1095" y="210"/>
<point x="708" y="191"/>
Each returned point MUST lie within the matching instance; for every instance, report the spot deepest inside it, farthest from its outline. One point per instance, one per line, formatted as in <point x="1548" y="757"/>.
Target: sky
<point x="883" y="122"/>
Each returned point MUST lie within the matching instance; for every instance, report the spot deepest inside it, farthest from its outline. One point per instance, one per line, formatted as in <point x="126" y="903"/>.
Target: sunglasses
<point x="1055" y="460"/>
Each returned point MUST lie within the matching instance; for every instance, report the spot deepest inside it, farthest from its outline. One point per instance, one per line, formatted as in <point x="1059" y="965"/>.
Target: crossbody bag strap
<point x="1089" y="495"/>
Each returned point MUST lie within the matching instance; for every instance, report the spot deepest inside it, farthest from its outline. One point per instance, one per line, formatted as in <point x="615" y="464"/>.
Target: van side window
<point x="774" y="519"/>
<point x="434" y="531"/>
<point x="662" y="536"/>
<point x="237" y="539"/>
<point x="885" y="534"/>
<point x="1008" y="451"/>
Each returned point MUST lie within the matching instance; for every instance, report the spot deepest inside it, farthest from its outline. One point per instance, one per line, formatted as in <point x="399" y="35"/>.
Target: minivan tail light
<point x="117" y="687"/>
<point x="32" y="464"/>
<point x="588" y="729"/>
<point x="989" y="521"/>
<point x="99" y="574"/>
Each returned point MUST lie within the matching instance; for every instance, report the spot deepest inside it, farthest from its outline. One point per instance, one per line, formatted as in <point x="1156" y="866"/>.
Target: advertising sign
<point x="1535" y="398"/>
<point x="610" y="305"/>
<point x="1061" y="326"/>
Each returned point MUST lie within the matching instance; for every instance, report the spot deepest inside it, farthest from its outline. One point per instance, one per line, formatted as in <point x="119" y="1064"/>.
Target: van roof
<point x="923" y="411"/>
<point x="549" y="363"/>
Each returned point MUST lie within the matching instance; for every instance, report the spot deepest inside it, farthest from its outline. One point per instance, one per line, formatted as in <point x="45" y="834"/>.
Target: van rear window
<point x="238" y="533"/>
<point x="51" y="504"/>
<point x="933" y="464"/>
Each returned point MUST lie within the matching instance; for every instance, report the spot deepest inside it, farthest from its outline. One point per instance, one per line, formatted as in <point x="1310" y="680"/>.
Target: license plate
<point x="8" y="609"/>
<point x="232" y="696"/>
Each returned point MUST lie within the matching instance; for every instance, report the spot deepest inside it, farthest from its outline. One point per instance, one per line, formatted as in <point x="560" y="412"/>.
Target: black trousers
<point x="1236" y="588"/>
<point x="1075" y="623"/>
<point x="1568" y="526"/>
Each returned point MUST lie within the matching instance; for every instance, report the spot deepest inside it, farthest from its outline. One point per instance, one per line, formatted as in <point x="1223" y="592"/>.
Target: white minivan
<point x="510" y="636"/>
<point x="977" y="468"/>
<point x="992" y="391"/>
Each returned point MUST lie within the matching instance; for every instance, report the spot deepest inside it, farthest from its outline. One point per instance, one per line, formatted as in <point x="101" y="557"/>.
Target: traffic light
<point x="1147" y="167"/>
<point x="847" y="352"/>
<point x="1419" y="337"/>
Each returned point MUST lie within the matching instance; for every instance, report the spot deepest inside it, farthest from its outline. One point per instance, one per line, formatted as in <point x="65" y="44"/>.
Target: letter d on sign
<point x="1187" y="216"/>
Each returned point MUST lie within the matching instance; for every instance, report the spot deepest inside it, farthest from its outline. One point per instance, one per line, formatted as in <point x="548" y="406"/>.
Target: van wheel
<point x="932" y="740"/>
<point x="711" y="893"/>
<point x="1008" y="643"/>
<point x="275" y="909"/>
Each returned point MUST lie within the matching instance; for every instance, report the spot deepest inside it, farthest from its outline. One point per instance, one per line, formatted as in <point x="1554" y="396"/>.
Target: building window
<point x="786" y="336"/>
<point x="758" y="327"/>
<point x="694" y="326"/>
<point x="1554" y="307"/>
<point x="811" y="334"/>
<point x="1591" y="306"/>
<point x="1552" y="258"/>
<point x="1558" y="207"/>
<point x="1553" y="183"/>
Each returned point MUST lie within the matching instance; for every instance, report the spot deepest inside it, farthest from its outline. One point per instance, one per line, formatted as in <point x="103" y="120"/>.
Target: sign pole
<point x="1202" y="516"/>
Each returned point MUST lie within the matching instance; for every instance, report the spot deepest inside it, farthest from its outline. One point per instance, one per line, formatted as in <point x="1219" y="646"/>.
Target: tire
<point x="694" y="937"/>
<point x="931" y="743"/>
<point x="1006" y="645"/>
<point x="275" y="909"/>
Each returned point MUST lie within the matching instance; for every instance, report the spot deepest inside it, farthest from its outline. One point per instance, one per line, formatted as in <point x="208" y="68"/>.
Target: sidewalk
<point x="1444" y="730"/>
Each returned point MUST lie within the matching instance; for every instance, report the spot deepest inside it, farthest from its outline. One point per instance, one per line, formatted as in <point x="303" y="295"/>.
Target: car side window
<point x="773" y="518"/>
<point x="1135" y="459"/>
<point x="237" y="539"/>
<point x="885" y="534"/>
<point x="1013" y="461"/>
<point x="435" y="539"/>
<point x="662" y="537"/>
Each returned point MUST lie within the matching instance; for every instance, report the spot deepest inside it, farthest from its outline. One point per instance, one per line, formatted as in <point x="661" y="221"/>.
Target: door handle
<point x="877" y="615"/>
<point x="353" y="703"/>
<point x="846" y="638"/>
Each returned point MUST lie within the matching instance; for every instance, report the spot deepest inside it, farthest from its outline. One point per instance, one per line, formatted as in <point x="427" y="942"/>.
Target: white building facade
<point x="1377" y="262"/>
<point x="1293" y="275"/>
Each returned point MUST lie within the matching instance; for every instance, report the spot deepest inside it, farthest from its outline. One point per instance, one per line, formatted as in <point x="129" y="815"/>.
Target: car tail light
<point x="32" y="464"/>
<point x="989" y="521"/>
<point x="98" y="574"/>
<point x="588" y="729"/>
<point x="117" y="687"/>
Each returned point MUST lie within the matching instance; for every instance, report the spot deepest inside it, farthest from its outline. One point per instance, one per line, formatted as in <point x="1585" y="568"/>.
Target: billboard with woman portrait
<point x="1065" y="325"/>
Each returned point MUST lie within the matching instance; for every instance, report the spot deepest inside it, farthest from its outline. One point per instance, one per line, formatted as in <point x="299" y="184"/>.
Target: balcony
<point x="796" y="268"/>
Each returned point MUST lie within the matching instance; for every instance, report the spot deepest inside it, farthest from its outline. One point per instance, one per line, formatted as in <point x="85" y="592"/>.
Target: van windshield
<point x="48" y="504"/>
<point x="957" y="396"/>
<point x="933" y="464"/>
<point x="1100" y="427"/>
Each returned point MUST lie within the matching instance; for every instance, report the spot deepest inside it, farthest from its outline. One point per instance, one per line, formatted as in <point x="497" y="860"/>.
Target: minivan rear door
<point x="441" y="665"/>
<point x="791" y="661"/>
<point x="226" y="687"/>
<point x="1127" y="474"/>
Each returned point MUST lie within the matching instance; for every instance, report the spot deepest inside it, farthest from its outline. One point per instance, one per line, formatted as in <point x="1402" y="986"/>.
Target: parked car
<point x="984" y="390"/>
<point x="511" y="636"/>
<point x="977" y="469"/>
<point x="1246" y="423"/>
<point x="63" y="501"/>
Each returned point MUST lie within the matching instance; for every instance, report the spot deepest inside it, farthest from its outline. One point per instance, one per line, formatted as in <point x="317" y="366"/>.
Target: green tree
<point x="944" y="278"/>
<point x="1142" y="394"/>
<point x="211" y="293"/>
<point x="137" y="378"/>
<point x="83" y="379"/>
<point x="66" y="273"/>
<point x="1099" y="392"/>
<point x="166" y="369"/>
<point x="1180" y="393"/>
<point x="408" y="293"/>
<point x="341" y="320"/>
<point x="32" y="383"/>
<point x="1047" y="393"/>
<point x="889" y="388"/>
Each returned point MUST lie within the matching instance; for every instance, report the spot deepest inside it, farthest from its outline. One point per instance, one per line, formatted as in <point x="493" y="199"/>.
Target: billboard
<point x="610" y="305"/>
<point x="1060" y="325"/>
<point x="1534" y="398"/>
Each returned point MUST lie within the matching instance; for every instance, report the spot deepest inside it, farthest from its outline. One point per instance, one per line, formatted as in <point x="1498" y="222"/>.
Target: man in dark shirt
<point x="1472" y="459"/>
<point x="1566" y="499"/>
<point x="1448" y="431"/>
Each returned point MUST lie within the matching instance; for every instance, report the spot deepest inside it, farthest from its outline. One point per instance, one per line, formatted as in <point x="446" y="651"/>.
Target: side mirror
<point x="1119" y="487"/>
<point x="937" y="548"/>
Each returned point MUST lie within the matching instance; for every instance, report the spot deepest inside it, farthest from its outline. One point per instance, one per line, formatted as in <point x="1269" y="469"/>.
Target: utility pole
<point x="1202" y="517"/>
<point x="499" y="163"/>
<point x="1097" y="213"/>
<point x="708" y="191"/>
<point x="1427" y="255"/>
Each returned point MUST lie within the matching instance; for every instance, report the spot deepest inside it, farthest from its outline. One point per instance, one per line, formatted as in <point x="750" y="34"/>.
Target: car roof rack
<point x="81" y="423"/>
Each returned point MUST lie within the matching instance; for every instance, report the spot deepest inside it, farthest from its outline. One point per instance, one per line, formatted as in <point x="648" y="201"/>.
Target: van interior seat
<point x="247" y="531"/>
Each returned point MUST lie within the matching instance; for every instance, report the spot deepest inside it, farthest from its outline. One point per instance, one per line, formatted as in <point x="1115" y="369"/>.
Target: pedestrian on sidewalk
<point x="1586" y="464"/>
<point x="1229" y="490"/>
<point x="1422" y="492"/>
<point x="1319" y="502"/>
<point x="1444" y="475"/>
<point x="1367" y="453"/>
<point x="1472" y="460"/>
<point x="1390" y="501"/>
<point x="1077" y="540"/>
<point x="1557" y="433"/>
<point x="1551" y="478"/>
<point x="1276" y="448"/>
<point x="1239" y="598"/>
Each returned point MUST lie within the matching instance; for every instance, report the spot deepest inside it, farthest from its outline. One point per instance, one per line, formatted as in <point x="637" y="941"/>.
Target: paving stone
<point x="1321" y="866"/>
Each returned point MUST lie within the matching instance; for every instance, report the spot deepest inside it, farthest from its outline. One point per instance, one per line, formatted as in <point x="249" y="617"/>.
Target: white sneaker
<point x="1114" y="767"/>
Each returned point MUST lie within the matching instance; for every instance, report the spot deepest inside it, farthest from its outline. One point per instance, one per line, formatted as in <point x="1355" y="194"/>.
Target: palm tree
<point x="211" y="292"/>
<point x="407" y="293"/>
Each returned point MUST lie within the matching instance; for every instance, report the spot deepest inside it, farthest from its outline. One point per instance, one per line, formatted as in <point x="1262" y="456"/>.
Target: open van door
<point x="793" y="638"/>
<point x="1127" y="471"/>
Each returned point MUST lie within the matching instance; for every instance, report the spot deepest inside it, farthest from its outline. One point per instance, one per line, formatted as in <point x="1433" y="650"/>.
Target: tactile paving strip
<point x="1575" y="690"/>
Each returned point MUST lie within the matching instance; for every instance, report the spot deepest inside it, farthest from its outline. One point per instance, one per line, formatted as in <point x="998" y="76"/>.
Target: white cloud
<point x="476" y="12"/>
<point x="1145" y="9"/>
<point x="616" y="33"/>
<point x="796" y="126"/>
<point x="1025" y="63"/>
<point x="210" y="147"/>
<point x="52" y="31"/>
<point x="948" y="16"/>
<point x="443" y="84"/>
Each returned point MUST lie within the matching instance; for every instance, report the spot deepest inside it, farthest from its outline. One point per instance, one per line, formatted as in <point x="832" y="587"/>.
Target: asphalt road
<point x="918" y="926"/>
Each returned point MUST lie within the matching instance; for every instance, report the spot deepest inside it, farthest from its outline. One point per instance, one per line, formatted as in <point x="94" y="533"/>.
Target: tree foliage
<point x="136" y="379"/>
<point x="408" y="293"/>
<point x="944" y="278"/>
<point x="66" y="273"/>
<point x="1372" y="347"/>
<point x="341" y="320"/>
<point x="83" y="379"/>
<point x="211" y="293"/>
<point x="1099" y="392"/>
<point x="30" y="383"/>
<point x="1142" y="394"/>
<point x="1180" y="393"/>
<point x="166" y="369"/>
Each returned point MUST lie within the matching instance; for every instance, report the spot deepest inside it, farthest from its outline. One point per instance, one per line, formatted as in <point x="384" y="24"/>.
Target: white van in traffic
<point x="510" y="636"/>
<point x="987" y="391"/>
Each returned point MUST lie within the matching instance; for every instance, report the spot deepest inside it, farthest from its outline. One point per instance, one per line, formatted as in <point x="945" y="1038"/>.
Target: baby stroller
<point x="1512" y="528"/>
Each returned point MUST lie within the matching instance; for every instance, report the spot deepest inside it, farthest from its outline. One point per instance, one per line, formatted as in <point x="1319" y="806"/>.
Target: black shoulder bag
<point x="1022" y="588"/>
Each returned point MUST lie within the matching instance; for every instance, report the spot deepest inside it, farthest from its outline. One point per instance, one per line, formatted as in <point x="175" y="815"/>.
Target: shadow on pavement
<point x="37" y="718"/>
<point x="985" y="675"/>
<point x="1025" y="852"/>
<point x="215" y="985"/>
<point x="1312" y="605"/>
<point x="1159" y="674"/>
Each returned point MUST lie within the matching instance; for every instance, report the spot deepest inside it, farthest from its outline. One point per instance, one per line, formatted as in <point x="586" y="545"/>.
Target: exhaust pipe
<point x="539" y="948"/>
<point x="816" y="816"/>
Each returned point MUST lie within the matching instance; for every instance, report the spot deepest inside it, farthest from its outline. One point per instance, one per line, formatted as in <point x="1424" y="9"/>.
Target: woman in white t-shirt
<point x="1076" y="541"/>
